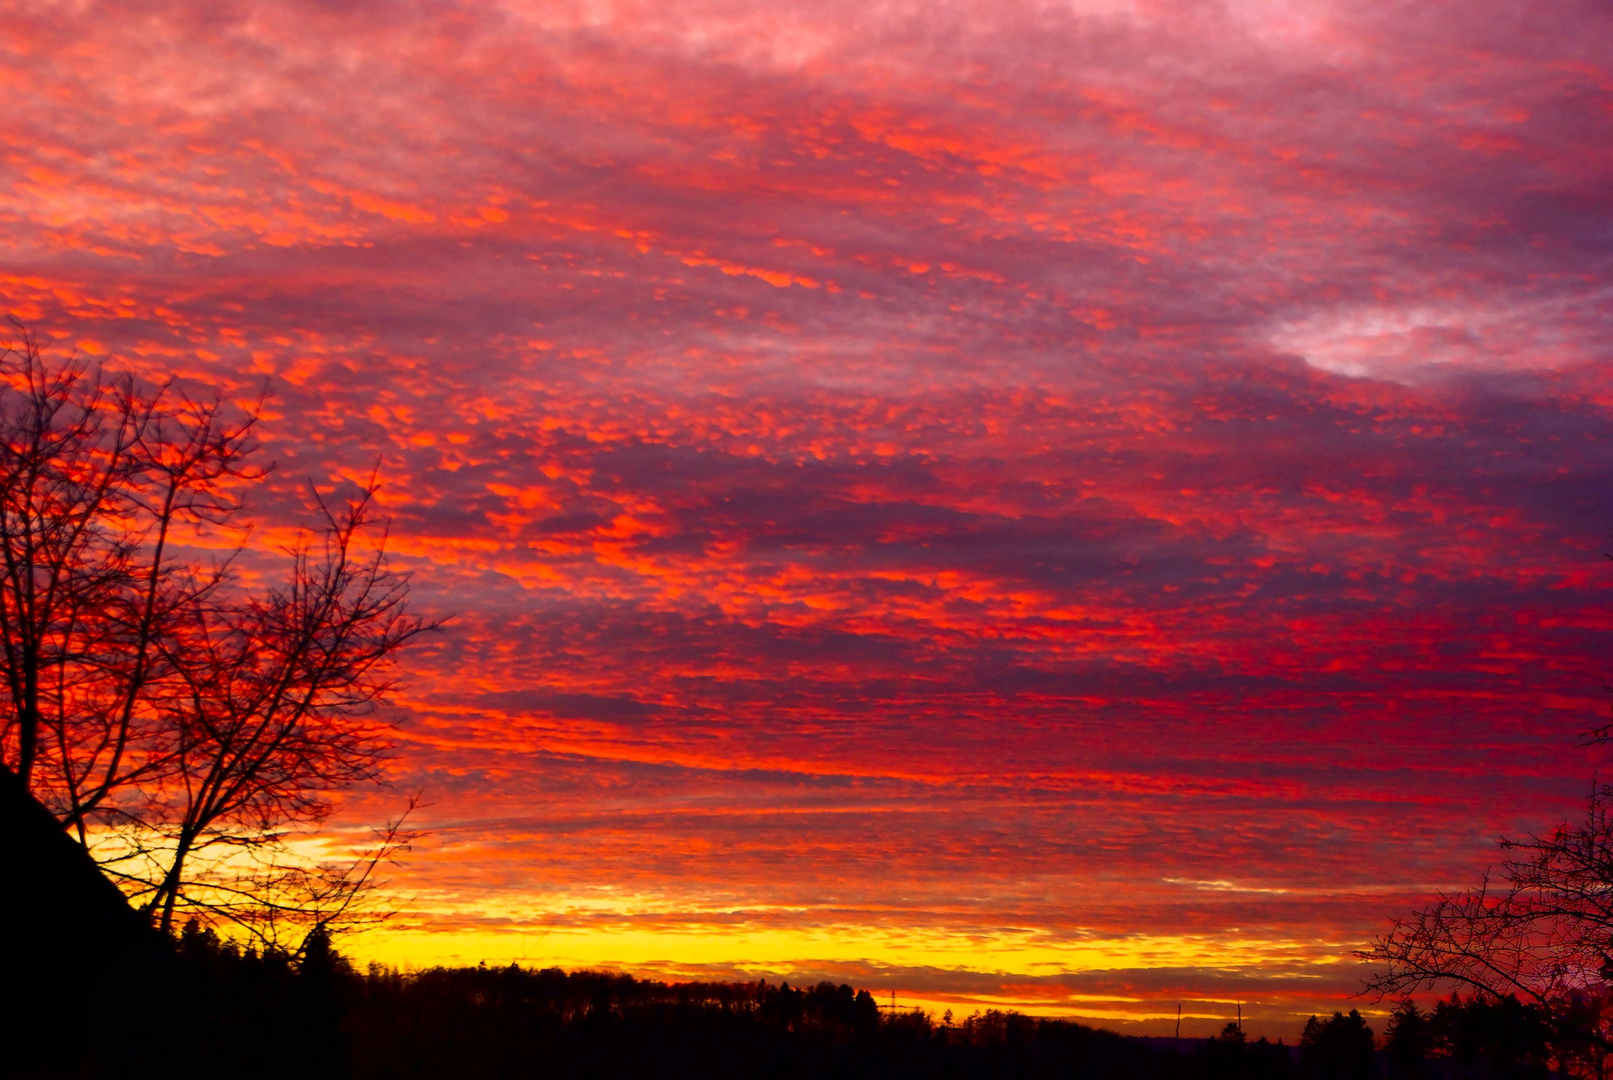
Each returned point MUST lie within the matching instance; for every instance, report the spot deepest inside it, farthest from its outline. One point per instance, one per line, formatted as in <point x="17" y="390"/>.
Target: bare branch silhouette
<point x="180" y="725"/>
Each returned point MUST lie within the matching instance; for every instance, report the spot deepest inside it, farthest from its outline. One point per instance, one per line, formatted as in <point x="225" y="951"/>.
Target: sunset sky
<point x="1083" y="507"/>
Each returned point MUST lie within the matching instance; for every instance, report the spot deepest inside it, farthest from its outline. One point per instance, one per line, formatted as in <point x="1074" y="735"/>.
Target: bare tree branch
<point x="1544" y="936"/>
<point x="182" y="726"/>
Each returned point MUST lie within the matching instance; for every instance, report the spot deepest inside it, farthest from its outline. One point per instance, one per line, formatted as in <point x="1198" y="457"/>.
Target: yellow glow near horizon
<point x="933" y="968"/>
<point x="1028" y="952"/>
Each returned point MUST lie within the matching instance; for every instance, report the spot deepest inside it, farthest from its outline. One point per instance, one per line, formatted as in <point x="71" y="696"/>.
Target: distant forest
<point x="244" y="1014"/>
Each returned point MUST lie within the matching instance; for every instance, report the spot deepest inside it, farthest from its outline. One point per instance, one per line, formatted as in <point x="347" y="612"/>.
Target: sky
<point x="1085" y="507"/>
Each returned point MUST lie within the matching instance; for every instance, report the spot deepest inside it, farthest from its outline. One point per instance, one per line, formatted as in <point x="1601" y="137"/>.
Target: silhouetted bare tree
<point x="1543" y="935"/>
<point x="95" y="477"/>
<point x="1546" y="931"/>
<point x="272" y="716"/>
<point x="179" y="724"/>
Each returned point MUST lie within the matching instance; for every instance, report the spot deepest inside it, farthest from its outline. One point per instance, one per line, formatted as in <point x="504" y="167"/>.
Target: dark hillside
<point x="72" y="939"/>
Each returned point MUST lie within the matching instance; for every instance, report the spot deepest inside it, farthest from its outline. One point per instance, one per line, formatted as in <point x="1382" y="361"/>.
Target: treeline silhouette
<point x="249" y="1014"/>
<point x="1478" y="1032"/>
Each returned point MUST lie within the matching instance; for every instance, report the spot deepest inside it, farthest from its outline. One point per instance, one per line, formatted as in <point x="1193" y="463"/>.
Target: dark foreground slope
<point x="71" y="948"/>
